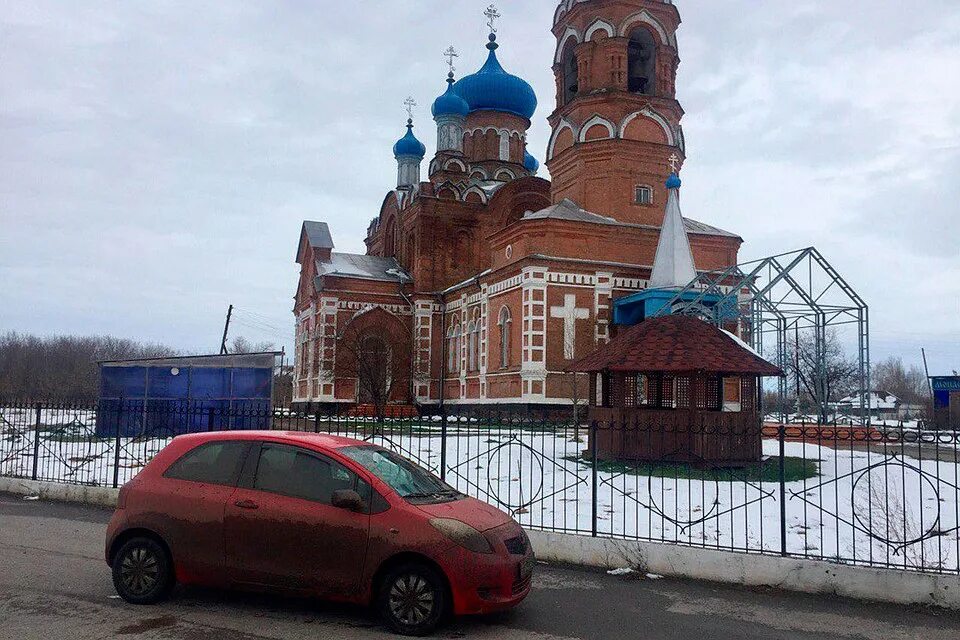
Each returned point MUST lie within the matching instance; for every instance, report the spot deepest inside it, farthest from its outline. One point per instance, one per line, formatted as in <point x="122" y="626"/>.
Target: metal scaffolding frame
<point x="771" y="298"/>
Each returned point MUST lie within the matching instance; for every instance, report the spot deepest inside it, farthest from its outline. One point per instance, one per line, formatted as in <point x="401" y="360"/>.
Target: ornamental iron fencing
<point x="885" y="495"/>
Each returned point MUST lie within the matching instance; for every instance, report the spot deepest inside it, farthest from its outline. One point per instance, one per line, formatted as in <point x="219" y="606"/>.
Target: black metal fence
<point x="881" y="495"/>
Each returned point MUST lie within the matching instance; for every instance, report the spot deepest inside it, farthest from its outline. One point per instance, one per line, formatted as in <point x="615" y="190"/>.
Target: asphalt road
<point x="54" y="584"/>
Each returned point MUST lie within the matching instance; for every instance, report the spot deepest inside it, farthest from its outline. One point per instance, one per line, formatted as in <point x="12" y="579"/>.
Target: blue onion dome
<point x="673" y="182"/>
<point x="450" y="104"/>
<point x="494" y="89"/>
<point x="408" y="145"/>
<point x="530" y="163"/>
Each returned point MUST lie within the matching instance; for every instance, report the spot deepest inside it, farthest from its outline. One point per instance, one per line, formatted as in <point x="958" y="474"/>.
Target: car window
<point x="293" y="472"/>
<point x="212" y="463"/>
<point x="404" y="477"/>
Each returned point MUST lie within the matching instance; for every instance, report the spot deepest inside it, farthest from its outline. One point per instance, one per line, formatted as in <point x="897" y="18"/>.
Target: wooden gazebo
<point x="676" y="389"/>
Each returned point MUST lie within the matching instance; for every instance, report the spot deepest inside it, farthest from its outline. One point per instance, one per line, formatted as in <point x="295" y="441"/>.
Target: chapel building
<point x="484" y="280"/>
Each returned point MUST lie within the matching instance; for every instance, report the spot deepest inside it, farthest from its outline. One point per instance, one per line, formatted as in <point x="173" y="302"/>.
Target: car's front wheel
<point x="413" y="599"/>
<point x="142" y="571"/>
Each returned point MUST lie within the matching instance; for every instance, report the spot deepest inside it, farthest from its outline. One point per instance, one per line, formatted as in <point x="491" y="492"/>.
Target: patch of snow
<point x="743" y="344"/>
<point x="622" y="571"/>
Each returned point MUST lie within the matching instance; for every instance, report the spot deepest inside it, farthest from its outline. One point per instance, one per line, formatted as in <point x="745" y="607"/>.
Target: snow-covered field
<point x="869" y="507"/>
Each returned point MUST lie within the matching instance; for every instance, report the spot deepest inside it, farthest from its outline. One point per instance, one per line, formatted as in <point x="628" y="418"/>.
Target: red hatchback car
<point x="314" y="515"/>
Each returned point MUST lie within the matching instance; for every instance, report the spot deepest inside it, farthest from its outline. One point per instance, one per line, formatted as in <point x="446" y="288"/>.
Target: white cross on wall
<point x="570" y="314"/>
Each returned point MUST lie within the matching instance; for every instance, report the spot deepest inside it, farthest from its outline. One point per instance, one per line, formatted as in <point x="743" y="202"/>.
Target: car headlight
<point x="463" y="534"/>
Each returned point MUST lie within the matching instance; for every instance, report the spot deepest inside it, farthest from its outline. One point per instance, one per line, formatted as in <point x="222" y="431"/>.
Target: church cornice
<point x="618" y="101"/>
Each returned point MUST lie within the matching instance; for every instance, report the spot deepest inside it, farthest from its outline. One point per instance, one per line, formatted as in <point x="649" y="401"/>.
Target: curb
<point x="752" y="570"/>
<point x="98" y="496"/>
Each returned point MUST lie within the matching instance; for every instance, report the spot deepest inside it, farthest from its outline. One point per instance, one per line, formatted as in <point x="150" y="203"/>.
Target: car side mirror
<point x="347" y="499"/>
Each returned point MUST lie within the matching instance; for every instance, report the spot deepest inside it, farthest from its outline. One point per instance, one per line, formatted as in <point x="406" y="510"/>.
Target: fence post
<point x="443" y="443"/>
<point x="36" y="442"/>
<point x="116" y="447"/>
<point x="781" y="437"/>
<point x="593" y="487"/>
<point x="316" y="421"/>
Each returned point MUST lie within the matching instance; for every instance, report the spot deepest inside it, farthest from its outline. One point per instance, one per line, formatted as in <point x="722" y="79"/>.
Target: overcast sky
<point x="158" y="158"/>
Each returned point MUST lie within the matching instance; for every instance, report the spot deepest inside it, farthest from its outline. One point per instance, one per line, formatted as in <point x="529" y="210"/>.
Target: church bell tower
<point x="617" y="121"/>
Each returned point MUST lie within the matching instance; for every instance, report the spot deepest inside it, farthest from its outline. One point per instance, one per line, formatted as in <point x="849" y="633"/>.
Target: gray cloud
<point x="158" y="158"/>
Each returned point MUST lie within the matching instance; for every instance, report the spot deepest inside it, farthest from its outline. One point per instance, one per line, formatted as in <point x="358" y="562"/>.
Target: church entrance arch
<point x="375" y="352"/>
<point x="374" y="369"/>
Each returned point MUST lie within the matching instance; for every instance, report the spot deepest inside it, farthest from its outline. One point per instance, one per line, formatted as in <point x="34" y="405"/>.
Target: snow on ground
<point x="863" y="507"/>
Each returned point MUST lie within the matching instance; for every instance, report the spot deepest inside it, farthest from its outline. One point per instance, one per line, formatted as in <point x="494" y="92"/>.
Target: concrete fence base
<point x="98" y="496"/>
<point x="792" y="574"/>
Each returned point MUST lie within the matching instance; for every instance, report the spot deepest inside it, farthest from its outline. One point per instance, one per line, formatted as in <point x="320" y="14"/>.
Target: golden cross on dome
<point x="410" y="103"/>
<point x="673" y="161"/>
<point x="492" y="16"/>
<point x="450" y="54"/>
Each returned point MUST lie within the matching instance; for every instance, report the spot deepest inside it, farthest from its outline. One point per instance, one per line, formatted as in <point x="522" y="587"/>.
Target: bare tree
<point x="774" y="404"/>
<point x="63" y="367"/>
<point x="576" y="386"/>
<point x="883" y="508"/>
<point x="240" y="344"/>
<point x="382" y="369"/>
<point x="910" y="385"/>
<point x="282" y="385"/>
<point x="819" y="380"/>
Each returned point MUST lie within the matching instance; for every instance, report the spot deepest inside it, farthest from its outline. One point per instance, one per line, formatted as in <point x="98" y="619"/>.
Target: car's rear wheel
<point x="413" y="599"/>
<point x="142" y="571"/>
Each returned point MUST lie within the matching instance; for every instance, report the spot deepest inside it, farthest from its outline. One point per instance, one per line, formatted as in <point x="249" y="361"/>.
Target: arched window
<point x="453" y="355"/>
<point x="569" y="70"/>
<point x="475" y="341"/>
<point x="472" y="346"/>
<point x="390" y="240"/>
<point x="504" y="146"/>
<point x="411" y="250"/>
<point x="505" y="322"/>
<point x="642" y="62"/>
<point x="374" y="370"/>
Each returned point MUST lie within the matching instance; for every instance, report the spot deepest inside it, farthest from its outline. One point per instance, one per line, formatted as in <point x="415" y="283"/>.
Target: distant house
<point x="883" y="406"/>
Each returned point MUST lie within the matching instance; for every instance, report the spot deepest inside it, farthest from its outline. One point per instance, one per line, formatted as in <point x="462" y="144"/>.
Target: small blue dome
<point x="530" y="163"/>
<point x="673" y="182"/>
<point x="408" y="145"/>
<point x="450" y="104"/>
<point x="493" y="88"/>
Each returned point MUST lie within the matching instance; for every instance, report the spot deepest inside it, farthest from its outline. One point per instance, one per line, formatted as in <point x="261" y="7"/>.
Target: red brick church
<point x="488" y="279"/>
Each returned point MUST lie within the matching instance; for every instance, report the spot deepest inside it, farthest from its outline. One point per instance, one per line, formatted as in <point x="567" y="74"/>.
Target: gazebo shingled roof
<point x="676" y="344"/>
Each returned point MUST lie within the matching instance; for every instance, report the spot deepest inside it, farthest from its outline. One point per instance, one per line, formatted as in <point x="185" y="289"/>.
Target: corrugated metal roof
<point x="695" y="226"/>
<point x="353" y="265"/>
<point x="569" y="210"/>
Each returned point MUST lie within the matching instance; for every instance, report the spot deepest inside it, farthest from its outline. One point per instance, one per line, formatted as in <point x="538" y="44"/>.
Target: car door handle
<point x="247" y="504"/>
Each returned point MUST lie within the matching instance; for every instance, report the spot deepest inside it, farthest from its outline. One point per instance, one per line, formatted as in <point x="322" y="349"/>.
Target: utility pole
<point x="226" y="328"/>
<point x="926" y="371"/>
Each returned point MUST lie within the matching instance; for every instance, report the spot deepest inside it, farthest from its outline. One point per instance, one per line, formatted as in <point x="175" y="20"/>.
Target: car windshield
<point x="404" y="477"/>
